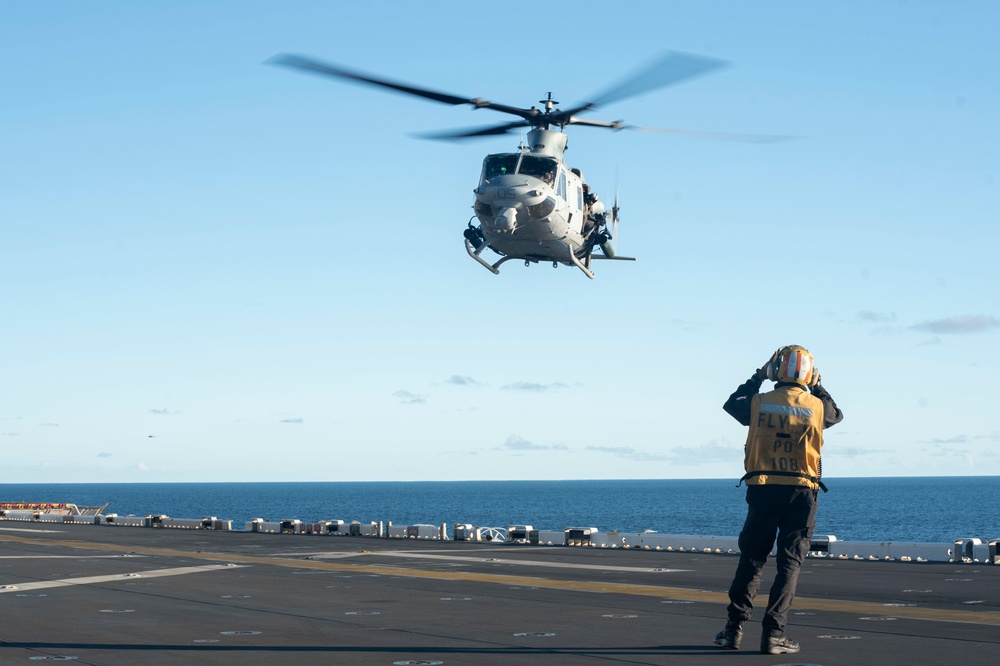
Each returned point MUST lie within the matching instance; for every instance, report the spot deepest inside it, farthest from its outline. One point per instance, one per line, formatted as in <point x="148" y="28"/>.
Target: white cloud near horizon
<point x="533" y="387"/>
<point x="518" y="443"/>
<point x="958" y="325"/>
<point x="628" y="453"/>
<point x="716" y="450"/>
<point x="462" y="380"/>
<point x="408" y="398"/>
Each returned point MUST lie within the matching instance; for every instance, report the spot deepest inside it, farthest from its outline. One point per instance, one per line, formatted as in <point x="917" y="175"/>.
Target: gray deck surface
<point x="121" y="595"/>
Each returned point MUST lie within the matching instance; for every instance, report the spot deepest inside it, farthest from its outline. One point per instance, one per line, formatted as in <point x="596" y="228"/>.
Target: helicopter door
<point x="561" y="187"/>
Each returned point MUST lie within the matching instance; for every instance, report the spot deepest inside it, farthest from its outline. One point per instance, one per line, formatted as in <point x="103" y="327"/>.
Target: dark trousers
<point x="788" y="512"/>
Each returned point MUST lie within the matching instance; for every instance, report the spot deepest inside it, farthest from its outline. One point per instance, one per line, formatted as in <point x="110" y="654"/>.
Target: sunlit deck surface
<point x="119" y="595"/>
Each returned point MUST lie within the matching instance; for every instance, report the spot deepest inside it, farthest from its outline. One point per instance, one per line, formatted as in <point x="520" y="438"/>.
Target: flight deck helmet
<point x="793" y="364"/>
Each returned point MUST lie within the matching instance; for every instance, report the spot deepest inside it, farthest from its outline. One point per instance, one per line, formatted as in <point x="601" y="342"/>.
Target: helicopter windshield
<point x="543" y="168"/>
<point x="499" y="165"/>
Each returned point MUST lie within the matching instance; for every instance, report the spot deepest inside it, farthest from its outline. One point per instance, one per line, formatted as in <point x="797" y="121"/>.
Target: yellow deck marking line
<point x="500" y="560"/>
<point x="674" y="593"/>
<point x="114" y="578"/>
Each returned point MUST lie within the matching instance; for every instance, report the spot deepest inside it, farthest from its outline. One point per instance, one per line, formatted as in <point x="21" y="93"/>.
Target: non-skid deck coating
<point x="118" y="595"/>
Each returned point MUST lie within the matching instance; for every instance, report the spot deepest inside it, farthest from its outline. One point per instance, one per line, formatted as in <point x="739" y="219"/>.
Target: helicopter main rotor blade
<point x="718" y="136"/>
<point x="492" y="130"/>
<point x="326" y="69"/>
<point x="670" y="68"/>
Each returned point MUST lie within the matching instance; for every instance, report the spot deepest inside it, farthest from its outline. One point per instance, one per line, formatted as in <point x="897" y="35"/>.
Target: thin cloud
<point x="520" y="444"/>
<point x="713" y="451"/>
<point x="859" y="451"/>
<point x="957" y="439"/>
<point x="628" y="453"/>
<point x="871" y="316"/>
<point x="533" y="387"/>
<point x="293" y="420"/>
<point x="160" y="412"/>
<point x="950" y="453"/>
<point x="408" y="398"/>
<point x="104" y="454"/>
<point x="958" y="325"/>
<point x="462" y="380"/>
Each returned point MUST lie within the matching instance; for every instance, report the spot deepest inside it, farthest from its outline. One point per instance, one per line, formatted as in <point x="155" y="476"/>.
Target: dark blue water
<point x="925" y="509"/>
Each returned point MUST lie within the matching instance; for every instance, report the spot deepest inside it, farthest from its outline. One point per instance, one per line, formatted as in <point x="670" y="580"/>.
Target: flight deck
<point x="97" y="594"/>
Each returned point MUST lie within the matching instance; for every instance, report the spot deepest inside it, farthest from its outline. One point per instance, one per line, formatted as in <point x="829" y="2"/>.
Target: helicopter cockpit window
<point x="499" y="165"/>
<point x="543" y="168"/>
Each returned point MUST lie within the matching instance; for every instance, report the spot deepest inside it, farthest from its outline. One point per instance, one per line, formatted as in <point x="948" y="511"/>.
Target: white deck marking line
<point x="65" y="557"/>
<point x="115" y="578"/>
<point x="26" y="529"/>
<point x="497" y="560"/>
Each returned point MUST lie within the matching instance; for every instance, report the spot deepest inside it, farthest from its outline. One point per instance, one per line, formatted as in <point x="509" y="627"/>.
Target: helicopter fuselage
<point x="531" y="205"/>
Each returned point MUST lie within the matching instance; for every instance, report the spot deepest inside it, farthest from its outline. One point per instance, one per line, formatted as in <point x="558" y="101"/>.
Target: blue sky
<point x="216" y="270"/>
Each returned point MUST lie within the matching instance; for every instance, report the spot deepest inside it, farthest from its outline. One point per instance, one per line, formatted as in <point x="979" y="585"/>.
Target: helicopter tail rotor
<point x="609" y="239"/>
<point x="608" y="244"/>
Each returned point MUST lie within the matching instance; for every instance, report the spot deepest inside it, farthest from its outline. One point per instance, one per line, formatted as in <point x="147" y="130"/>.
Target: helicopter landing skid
<point x="475" y="255"/>
<point x="579" y="264"/>
<point x="495" y="268"/>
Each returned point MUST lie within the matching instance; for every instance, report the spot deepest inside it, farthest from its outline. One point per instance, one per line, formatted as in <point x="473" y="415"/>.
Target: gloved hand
<point x="761" y="373"/>
<point x="814" y="382"/>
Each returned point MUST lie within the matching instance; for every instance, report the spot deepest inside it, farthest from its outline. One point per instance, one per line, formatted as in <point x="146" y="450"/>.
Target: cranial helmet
<point x="793" y="364"/>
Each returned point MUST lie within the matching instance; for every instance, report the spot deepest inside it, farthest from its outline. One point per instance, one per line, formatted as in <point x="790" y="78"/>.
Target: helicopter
<point x="530" y="204"/>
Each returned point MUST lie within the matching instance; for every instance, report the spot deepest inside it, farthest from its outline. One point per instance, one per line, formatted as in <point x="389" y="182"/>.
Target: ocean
<point x="903" y="509"/>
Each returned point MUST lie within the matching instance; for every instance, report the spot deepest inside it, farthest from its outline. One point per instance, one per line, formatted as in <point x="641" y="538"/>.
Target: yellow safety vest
<point x="785" y="439"/>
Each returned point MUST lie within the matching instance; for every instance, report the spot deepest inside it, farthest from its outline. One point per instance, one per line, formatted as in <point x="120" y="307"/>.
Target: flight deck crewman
<point x="783" y="469"/>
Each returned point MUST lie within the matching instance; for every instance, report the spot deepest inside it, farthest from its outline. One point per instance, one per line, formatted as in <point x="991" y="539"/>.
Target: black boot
<point x="778" y="645"/>
<point x="731" y="636"/>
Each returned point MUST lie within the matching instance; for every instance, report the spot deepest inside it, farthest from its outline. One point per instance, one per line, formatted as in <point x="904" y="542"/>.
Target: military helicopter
<point x="530" y="204"/>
